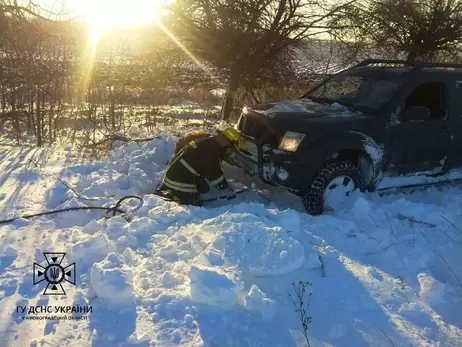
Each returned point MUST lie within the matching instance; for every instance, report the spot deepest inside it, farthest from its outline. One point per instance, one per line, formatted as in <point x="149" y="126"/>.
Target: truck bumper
<point x="274" y="167"/>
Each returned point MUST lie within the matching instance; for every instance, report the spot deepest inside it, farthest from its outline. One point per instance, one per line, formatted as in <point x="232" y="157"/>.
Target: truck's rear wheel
<point x="340" y="177"/>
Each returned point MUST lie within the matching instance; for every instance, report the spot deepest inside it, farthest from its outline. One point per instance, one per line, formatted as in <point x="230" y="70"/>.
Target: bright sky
<point x="103" y="14"/>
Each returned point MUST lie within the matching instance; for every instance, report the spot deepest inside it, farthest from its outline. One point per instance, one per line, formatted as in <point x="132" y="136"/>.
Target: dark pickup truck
<point x="380" y="118"/>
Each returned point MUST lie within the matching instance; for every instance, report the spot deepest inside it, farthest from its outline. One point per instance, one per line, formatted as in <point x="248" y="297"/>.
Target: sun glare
<point x="105" y="14"/>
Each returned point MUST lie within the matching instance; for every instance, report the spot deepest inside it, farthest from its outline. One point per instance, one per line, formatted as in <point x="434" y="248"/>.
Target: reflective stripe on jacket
<point x="196" y="164"/>
<point x="181" y="187"/>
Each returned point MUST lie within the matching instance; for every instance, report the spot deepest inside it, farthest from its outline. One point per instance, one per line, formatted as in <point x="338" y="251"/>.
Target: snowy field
<point x="384" y="271"/>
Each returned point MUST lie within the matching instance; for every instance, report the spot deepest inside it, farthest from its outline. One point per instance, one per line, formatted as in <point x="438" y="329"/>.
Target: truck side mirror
<point x="416" y="113"/>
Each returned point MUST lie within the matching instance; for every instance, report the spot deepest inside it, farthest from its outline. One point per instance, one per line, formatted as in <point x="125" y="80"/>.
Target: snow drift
<point x="383" y="270"/>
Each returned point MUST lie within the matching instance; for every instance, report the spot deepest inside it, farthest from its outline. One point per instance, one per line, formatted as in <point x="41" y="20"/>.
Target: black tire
<point x="313" y="200"/>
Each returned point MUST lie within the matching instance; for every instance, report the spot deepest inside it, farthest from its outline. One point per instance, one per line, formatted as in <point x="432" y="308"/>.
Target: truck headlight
<point x="291" y="141"/>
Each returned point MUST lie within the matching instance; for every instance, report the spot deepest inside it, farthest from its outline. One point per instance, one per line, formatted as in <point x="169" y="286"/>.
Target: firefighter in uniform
<point x="188" y="137"/>
<point x="197" y="166"/>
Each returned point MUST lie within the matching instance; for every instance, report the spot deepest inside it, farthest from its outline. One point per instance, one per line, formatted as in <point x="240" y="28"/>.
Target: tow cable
<point x="115" y="209"/>
<point x="128" y="214"/>
<point x="236" y="192"/>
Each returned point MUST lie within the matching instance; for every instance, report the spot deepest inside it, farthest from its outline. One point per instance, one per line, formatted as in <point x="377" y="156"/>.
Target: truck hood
<point x="303" y="108"/>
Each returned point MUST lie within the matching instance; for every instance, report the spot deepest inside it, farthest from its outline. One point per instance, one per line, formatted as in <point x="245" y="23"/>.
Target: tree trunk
<point x="112" y="109"/>
<point x="228" y="102"/>
<point x="50" y="123"/>
<point x="39" y="120"/>
<point x="411" y="56"/>
<point x="3" y="107"/>
<point x="31" y="113"/>
<point x="13" y="111"/>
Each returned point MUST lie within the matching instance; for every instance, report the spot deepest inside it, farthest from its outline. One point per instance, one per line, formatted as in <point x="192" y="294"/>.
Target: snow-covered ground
<point x="384" y="271"/>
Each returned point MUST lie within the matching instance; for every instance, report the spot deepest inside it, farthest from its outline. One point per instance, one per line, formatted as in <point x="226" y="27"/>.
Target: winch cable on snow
<point x="115" y="209"/>
<point x="236" y="192"/>
<point x="418" y="186"/>
<point x="127" y="214"/>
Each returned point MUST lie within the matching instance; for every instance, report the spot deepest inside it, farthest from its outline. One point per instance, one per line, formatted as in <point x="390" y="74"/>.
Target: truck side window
<point x="431" y="95"/>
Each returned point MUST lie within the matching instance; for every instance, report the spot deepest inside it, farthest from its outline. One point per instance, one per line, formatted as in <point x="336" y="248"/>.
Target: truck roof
<point x="399" y="67"/>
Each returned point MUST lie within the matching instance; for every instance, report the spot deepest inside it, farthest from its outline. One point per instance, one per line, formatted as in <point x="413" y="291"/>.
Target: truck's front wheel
<point x="334" y="179"/>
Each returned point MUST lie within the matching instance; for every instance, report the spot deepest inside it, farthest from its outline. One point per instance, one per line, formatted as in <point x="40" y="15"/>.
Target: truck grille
<point x="258" y="130"/>
<point x="251" y="127"/>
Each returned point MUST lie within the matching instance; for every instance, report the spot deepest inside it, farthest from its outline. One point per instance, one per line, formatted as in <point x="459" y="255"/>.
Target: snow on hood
<point x="303" y="106"/>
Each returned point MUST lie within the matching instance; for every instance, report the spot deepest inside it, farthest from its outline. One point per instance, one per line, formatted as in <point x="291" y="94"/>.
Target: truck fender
<point x="329" y="146"/>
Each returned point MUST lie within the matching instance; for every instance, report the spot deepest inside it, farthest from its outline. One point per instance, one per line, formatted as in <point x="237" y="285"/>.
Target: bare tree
<point x="419" y="29"/>
<point x="246" y="40"/>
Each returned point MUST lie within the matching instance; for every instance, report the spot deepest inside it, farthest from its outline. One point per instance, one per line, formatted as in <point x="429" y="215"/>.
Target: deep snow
<point x="384" y="270"/>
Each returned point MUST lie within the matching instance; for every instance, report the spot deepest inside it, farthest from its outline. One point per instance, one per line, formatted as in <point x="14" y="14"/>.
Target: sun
<point x="104" y="14"/>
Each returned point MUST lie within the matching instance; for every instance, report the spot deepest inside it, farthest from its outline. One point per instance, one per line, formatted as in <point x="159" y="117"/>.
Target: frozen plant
<point x="301" y="308"/>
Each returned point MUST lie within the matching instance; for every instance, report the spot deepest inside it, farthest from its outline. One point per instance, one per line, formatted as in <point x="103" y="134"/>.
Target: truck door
<point x="421" y="145"/>
<point x="456" y="123"/>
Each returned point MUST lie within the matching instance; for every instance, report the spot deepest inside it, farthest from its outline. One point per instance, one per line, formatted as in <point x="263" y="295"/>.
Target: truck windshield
<point x="355" y="90"/>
